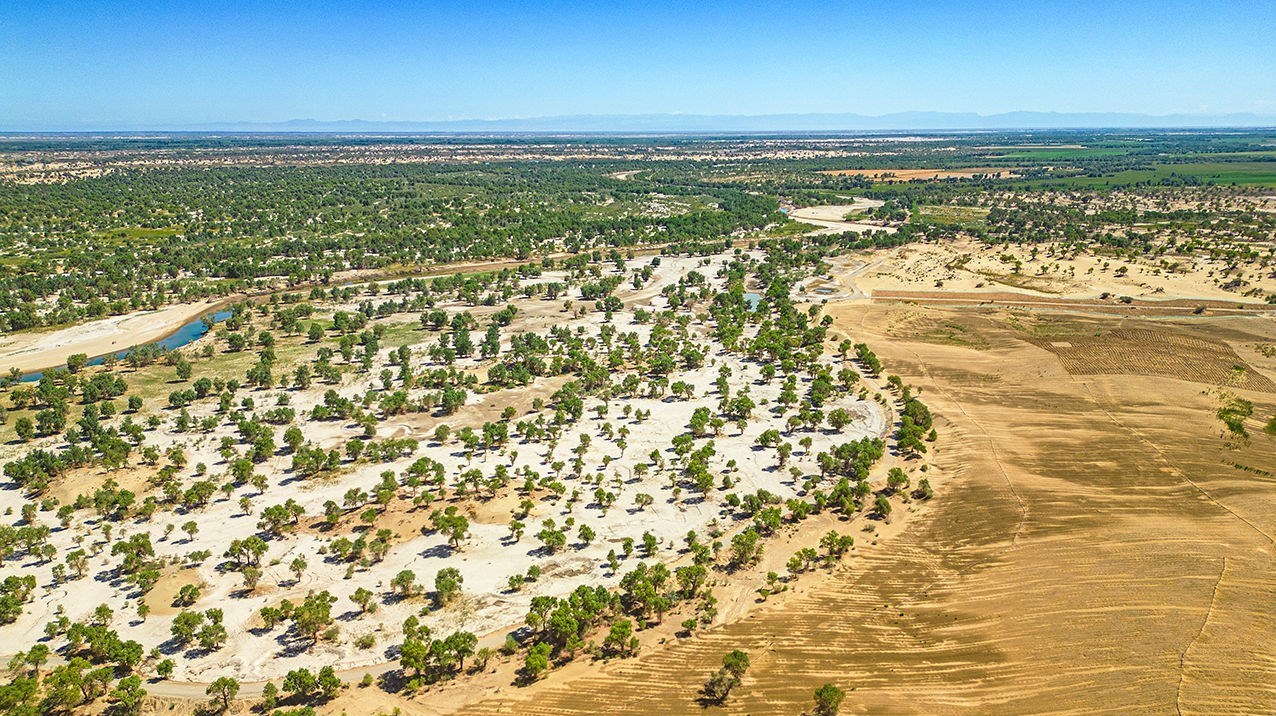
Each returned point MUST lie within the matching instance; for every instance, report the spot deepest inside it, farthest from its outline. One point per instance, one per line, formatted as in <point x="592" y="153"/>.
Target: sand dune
<point x="1098" y="559"/>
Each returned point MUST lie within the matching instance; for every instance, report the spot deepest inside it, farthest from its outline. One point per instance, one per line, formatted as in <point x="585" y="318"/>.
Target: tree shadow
<point x="439" y="551"/>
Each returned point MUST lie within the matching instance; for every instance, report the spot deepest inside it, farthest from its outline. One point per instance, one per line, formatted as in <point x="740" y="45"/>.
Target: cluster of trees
<point x="15" y="591"/>
<point x="559" y="628"/>
<point x="302" y="686"/>
<point x="202" y="628"/>
<point x="306" y="222"/>
<point x="770" y="331"/>
<point x="431" y="660"/>
<point x="68" y="686"/>
<point x="309" y="620"/>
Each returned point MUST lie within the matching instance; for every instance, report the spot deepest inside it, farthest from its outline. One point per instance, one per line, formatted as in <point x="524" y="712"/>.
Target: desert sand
<point x="1103" y="555"/>
<point x="831" y="217"/>
<point x="1103" y="510"/>
<point x="956" y="267"/>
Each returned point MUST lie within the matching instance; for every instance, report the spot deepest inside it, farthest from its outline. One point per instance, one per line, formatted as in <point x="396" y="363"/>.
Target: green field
<point x="1052" y="154"/>
<point x="140" y="232"/>
<point x="1239" y="173"/>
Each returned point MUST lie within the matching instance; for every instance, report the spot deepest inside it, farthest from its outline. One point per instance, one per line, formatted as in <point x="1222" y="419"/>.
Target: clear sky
<point x="97" y="64"/>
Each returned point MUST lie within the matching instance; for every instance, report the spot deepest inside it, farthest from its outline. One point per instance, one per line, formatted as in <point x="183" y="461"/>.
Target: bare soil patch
<point x="1156" y="352"/>
<point x="1088" y="554"/>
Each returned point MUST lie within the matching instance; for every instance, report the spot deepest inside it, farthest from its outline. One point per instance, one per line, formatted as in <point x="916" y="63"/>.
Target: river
<point x="183" y="336"/>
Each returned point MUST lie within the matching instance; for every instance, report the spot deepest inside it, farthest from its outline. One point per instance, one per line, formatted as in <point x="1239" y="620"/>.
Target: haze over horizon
<point x="99" y="66"/>
<point x="703" y="124"/>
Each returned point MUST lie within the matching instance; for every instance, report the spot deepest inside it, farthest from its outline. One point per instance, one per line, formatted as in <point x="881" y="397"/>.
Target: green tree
<point x="76" y="362"/>
<point x="222" y="691"/>
<point x="828" y="700"/>
<point x="447" y="585"/>
<point x="298" y="568"/>
<point x="128" y="696"/>
<point x="314" y="614"/>
<point x="362" y="597"/>
<point x="300" y="683"/>
<point x="896" y="480"/>
<point x="734" y="665"/>
<point x="327" y="683"/>
<point x="184" y="627"/>
<point x="537" y="661"/>
<point x="24" y="428"/>
<point x="620" y="639"/>
<point x="882" y="507"/>
<point x="404" y="582"/>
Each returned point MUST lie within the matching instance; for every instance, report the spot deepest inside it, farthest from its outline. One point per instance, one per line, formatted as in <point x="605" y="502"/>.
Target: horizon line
<point x="684" y="123"/>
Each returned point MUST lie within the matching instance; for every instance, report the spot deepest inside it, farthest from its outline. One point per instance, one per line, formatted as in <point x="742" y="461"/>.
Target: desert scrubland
<point x="533" y="429"/>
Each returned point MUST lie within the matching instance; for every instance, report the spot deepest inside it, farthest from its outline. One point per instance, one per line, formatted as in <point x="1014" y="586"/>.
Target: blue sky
<point x="101" y="65"/>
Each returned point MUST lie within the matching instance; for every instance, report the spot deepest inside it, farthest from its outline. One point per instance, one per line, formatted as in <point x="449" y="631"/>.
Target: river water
<point x="185" y="335"/>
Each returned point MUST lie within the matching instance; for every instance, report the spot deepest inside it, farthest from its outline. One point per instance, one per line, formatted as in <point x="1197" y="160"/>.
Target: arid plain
<point x="561" y="438"/>
<point x="1105" y="545"/>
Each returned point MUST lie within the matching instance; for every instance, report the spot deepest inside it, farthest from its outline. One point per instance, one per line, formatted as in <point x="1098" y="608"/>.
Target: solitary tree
<point x="882" y="507"/>
<point x="720" y="684"/>
<point x="828" y="700"/>
<point x="404" y="582"/>
<point x="222" y="691"/>
<point x="298" y="568"/>
<point x="447" y="585"/>
<point x="362" y="597"/>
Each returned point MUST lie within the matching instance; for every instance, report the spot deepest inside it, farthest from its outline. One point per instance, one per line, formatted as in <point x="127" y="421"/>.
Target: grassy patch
<point x="952" y="334"/>
<point x="139" y="232"/>
<point x="1239" y="173"/>
<point x="951" y="215"/>
<point x="1046" y="154"/>
<point x="1031" y="283"/>
<point x="789" y="228"/>
<point x="1234" y="412"/>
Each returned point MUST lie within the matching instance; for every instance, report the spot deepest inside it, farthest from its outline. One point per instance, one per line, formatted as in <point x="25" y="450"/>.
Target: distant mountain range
<point x="768" y="123"/>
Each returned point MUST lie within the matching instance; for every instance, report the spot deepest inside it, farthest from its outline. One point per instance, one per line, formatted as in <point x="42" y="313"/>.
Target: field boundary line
<point x="1178" y="691"/>
<point x="1174" y="468"/>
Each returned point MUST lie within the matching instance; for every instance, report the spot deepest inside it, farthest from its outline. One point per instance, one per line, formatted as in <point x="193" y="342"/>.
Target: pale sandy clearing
<point x="965" y="266"/>
<point x="830" y="217"/>
<point x="33" y="351"/>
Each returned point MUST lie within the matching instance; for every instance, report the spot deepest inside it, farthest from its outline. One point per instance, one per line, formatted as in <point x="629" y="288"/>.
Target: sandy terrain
<point x="832" y="217"/>
<point x="968" y="267"/>
<point x="1100" y="515"/>
<point x="1102" y="558"/>
<point x="37" y="350"/>
<point x="488" y="557"/>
